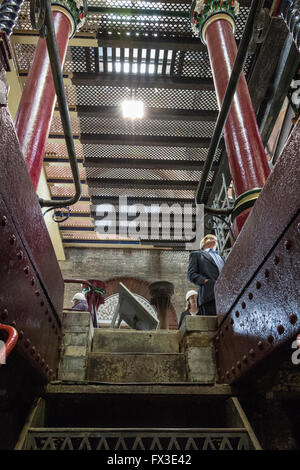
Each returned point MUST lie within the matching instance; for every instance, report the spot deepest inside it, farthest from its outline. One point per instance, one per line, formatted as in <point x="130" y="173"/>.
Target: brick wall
<point x="147" y="265"/>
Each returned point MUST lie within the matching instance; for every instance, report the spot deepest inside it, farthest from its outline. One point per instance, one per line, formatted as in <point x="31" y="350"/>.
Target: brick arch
<point x="140" y="287"/>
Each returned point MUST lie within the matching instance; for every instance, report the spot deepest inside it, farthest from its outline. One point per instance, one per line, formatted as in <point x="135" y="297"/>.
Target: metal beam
<point x="146" y="201"/>
<point x="180" y="44"/>
<point x="141" y="184"/>
<point x="168" y="114"/>
<point x="144" y="140"/>
<point x="138" y="81"/>
<point x="144" y="163"/>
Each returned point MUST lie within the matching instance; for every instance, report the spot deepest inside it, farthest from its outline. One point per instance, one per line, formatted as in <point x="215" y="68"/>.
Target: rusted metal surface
<point x="257" y="293"/>
<point x="31" y="293"/>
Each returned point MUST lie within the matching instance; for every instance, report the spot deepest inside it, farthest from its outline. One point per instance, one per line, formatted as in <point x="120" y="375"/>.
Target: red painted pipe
<point x="10" y="342"/>
<point x="247" y="159"/>
<point x="36" y="107"/>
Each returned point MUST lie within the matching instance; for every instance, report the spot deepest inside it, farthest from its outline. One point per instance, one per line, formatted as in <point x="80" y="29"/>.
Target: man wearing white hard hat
<point x="203" y="271"/>
<point x="191" y="306"/>
<point x="80" y="302"/>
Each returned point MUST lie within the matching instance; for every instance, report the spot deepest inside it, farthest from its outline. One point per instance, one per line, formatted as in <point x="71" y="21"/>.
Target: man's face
<point x="193" y="300"/>
<point x="211" y="243"/>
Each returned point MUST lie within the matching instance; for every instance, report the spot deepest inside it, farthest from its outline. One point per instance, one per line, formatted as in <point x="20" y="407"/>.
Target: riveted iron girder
<point x="31" y="292"/>
<point x="257" y="293"/>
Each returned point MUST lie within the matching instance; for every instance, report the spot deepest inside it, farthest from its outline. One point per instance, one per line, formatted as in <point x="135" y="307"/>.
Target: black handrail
<point x="48" y="28"/>
<point x="225" y="108"/>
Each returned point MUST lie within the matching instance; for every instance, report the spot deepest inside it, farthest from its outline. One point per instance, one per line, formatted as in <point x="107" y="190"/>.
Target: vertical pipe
<point x="247" y="159"/>
<point x="36" y="107"/>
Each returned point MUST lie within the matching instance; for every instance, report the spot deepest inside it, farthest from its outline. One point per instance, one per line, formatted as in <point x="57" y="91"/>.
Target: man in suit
<point x="203" y="271"/>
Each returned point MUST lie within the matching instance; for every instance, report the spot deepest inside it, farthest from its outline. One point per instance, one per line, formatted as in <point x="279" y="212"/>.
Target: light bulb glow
<point x="133" y="109"/>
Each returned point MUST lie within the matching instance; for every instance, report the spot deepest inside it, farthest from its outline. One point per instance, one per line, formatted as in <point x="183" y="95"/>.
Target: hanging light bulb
<point x="133" y="109"/>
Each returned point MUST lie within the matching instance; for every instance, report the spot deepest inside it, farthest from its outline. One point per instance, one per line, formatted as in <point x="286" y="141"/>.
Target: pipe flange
<point x="75" y="10"/>
<point x="205" y="12"/>
<point x="245" y="201"/>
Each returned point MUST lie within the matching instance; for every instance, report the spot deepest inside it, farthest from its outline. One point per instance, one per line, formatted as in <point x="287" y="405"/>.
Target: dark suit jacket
<point x="201" y="267"/>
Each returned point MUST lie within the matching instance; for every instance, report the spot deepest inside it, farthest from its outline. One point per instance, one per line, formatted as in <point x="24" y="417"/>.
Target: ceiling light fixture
<point x="133" y="109"/>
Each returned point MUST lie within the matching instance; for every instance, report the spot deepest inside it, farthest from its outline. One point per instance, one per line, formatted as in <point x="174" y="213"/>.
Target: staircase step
<point x="136" y="367"/>
<point x="123" y="341"/>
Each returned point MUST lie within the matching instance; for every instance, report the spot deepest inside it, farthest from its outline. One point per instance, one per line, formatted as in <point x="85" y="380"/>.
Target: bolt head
<point x="4" y="314"/>
<point x="293" y="318"/>
<point x="280" y="329"/>
<point x="288" y="244"/>
<point x="3" y="220"/>
<point x="12" y="239"/>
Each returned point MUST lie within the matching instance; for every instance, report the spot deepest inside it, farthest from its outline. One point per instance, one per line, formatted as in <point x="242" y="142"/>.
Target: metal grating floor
<point x="144" y="50"/>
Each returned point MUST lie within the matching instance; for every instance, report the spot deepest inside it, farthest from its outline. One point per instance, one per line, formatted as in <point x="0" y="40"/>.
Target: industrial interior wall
<point x="147" y="265"/>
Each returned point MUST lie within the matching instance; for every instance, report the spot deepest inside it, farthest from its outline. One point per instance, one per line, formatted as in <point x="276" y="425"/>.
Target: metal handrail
<point x="48" y="30"/>
<point x="225" y="108"/>
<point x="10" y="342"/>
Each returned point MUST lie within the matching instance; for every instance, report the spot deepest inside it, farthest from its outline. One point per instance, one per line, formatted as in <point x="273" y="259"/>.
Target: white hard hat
<point x="189" y="293"/>
<point x="79" y="296"/>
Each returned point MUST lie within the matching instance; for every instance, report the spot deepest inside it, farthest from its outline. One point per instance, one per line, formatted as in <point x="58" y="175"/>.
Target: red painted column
<point x="247" y="159"/>
<point x="36" y="107"/>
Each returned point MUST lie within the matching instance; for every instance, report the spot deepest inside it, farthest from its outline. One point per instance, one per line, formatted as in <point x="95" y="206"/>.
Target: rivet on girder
<point x="267" y="273"/>
<point x="20" y="254"/>
<point x="227" y="373"/>
<point x="258" y="285"/>
<point x="13" y="323"/>
<point x="12" y="239"/>
<point x="280" y="329"/>
<point x="21" y="334"/>
<point x="243" y="304"/>
<point x="32" y="351"/>
<point x="37" y="293"/>
<point x="26" y="270"/>
<point x="42" y="362"/>
<point x="233" y="369"/>
<point x="288" y="244"/>
<point x="293" y="318"/>
<point x="27" y="342"/>
<point x="237" y="314"/>
<point x="4" y="314"/>
<point x="245" y="358"/>
<point x="231" y="321"/>
<point x="276" y="259"/>
<point x="252" y="352"/>
<point x="3" y="220"/>
<point x="38" y="357"/>
<point x="217" y="338"/>
<point x="239" y="365"/>
<point x="260" y="345"/>
<point x="32" y="281"/>
<point x="270" y="338"/>
<point x="250" y="295"/>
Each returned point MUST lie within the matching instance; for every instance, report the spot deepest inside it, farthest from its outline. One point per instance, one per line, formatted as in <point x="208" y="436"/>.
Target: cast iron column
<point x="37" y="103"/>
<point x="213" y="21"/>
